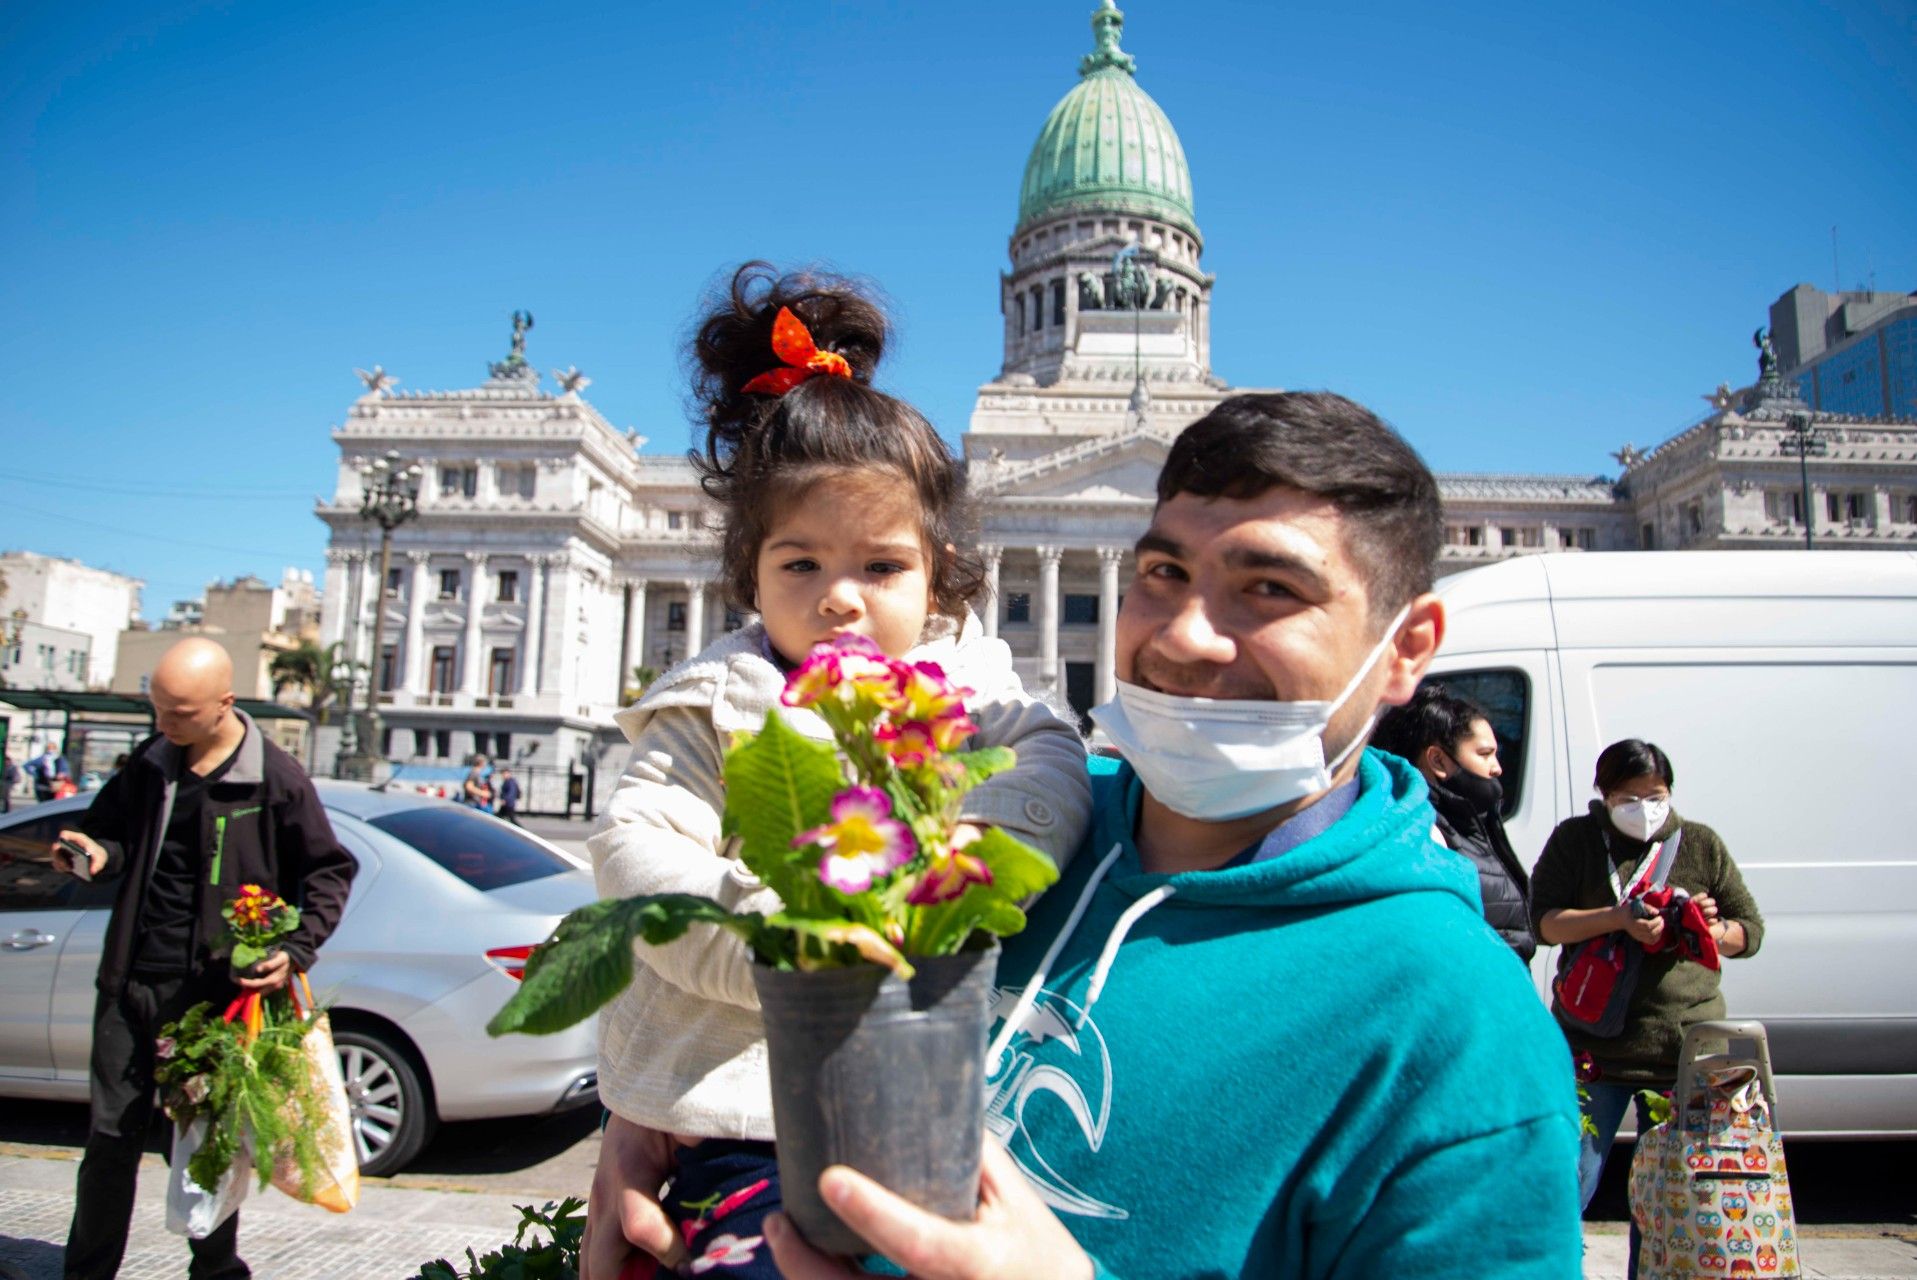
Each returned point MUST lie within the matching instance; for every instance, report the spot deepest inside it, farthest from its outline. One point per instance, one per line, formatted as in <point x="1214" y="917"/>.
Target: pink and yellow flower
<point x="862" y="842"/>
<point x="923" y="693"/>
<point x="848" y="666"/>
<point x="908" y="745"/>
<point x="947" y="877"/>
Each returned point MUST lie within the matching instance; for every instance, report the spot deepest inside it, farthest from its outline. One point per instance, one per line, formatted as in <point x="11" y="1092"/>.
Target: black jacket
<point x="1502" y="881"/>
<point x="262" y="823"/>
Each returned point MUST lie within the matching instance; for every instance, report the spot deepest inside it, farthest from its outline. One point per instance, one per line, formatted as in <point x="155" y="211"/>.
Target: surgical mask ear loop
<point x="1371" y="722"/>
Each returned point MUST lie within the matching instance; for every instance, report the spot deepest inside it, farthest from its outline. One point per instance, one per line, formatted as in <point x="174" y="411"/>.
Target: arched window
<point x="1058" y="302"/>
<point x="1038" y="308"/>
<point x="1018" y="305"/>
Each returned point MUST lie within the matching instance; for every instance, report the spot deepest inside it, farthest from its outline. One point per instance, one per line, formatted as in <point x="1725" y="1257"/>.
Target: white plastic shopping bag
<point x="192" y="1210"/>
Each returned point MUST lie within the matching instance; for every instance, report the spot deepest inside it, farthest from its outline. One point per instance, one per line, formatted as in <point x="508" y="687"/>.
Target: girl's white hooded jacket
<point x="683" y="1049"/>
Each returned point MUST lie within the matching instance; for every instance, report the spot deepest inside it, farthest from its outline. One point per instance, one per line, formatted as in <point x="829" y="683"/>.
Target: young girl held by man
<point x="842" y="511"/>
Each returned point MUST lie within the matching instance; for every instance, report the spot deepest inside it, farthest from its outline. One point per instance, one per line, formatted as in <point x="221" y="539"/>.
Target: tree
<point x="324" y="674"/>
<point x="636" y="687"/>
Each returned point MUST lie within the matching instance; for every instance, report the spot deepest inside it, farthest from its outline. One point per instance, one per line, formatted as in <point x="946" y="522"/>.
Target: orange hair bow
<point x="792" y="343"/>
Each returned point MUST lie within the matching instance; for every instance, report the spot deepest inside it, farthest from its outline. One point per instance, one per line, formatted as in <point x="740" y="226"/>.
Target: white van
<point x="1783" y="685"/>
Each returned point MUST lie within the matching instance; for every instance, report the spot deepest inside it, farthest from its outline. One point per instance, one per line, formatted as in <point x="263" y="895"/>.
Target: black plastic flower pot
<point x="883" y="1075"/>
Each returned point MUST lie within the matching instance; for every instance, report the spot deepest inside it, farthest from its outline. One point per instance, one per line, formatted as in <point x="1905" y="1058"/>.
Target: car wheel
<point x="390" y="1118"/>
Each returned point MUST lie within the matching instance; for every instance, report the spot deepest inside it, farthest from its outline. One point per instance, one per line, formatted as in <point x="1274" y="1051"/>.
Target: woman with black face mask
<point x="1449" y="739"/>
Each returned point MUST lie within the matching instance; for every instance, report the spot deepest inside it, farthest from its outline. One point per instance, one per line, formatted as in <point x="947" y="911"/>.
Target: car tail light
<point x="510" y="961"/>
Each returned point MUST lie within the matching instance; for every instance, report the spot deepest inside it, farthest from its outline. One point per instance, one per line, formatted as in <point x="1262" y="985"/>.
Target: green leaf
<point x="868" y="942"/>
<point x="246" y="955"/>
<point x="983" y="763"/>
<point x="588" y="959"/>
<point x="779" y="783"/>
<point x="1018" y="872"/>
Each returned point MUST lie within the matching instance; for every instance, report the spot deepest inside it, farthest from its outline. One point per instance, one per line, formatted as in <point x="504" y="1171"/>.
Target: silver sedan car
<point x="447" y="904"/>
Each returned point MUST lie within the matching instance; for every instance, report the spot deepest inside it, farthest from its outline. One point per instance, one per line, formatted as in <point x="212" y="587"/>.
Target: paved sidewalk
<point x="1825" y="1257"/>
<point x="389" y="1235"/>
<point x="396" y="1228"/>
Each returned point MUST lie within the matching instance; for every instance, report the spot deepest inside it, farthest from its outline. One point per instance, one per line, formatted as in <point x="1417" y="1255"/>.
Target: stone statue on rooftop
<point x="377" y="380"/>
<point x="514" y="366"/>
<point x="1131" y="282"/>
<point x="1766" y="354"/>
<point x="1091" y="291"/>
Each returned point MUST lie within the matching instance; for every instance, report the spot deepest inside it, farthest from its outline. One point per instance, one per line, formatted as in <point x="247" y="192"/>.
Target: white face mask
<point x="1215" y="759"/>
<point x="1640" y="819"/>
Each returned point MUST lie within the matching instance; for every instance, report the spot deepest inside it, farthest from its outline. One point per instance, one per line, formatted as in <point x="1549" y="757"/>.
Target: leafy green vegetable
<point x="265" y="1090"/>
<point x="556" y="1257"/>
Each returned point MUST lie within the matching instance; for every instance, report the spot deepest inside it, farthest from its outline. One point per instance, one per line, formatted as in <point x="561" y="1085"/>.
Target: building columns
<point x="1048" y="558"/>
<point x="635" y="647"/>
<point x="1109" y="559"/>
<point x="414" y="679"/>
<point x="470" y="642"/>
<point x="990" y="555"/>
<point x="695" y="617"/>
<point x="529" y="639"/>
<point x="341" y="566"/>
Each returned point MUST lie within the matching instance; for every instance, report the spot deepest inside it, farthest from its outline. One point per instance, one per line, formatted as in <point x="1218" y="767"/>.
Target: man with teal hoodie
<point x="1260" y="1027"/>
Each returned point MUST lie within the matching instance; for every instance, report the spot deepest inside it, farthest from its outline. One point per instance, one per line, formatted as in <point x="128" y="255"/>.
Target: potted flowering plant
<point x="255" y="922"/>
<point x="874" y="977"/>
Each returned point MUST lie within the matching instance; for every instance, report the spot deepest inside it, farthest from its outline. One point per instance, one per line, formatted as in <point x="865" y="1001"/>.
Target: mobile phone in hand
<point x="78" y="857"/>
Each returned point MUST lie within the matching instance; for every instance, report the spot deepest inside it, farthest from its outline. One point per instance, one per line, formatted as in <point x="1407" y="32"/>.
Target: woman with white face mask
<point x="1575" y="891"/>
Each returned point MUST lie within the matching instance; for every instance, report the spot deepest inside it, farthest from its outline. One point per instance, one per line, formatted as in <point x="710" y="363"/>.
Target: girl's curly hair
<point x="763" y="451"/>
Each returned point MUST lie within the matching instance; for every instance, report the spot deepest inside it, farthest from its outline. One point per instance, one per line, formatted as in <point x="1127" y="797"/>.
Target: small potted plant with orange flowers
<point x="874" y="978"/>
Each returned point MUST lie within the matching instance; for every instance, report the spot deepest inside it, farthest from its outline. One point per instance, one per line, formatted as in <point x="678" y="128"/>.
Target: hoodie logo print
<point x="1057" y="1052"/>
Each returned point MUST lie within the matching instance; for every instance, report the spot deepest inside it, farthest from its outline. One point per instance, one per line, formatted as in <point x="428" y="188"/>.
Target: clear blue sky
<point x="1524" y="232"/>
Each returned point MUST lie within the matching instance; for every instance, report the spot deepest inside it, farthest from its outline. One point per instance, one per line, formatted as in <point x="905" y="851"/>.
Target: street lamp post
<point x="1805" y="441"/>
<point x="1131" y="289"/>
<point x="389" y="497"/>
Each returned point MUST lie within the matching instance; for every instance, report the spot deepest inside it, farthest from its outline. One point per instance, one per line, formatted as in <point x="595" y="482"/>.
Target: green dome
<point x="1107" y="147"/>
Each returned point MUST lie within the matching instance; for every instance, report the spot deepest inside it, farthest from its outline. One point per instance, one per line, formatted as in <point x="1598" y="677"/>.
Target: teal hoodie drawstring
<point x="1109" y="955"/>
<point x="1028" y="998"/>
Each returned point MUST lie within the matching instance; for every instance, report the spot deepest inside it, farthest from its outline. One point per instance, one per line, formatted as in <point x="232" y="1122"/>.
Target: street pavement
<point x="461" y="1197"/>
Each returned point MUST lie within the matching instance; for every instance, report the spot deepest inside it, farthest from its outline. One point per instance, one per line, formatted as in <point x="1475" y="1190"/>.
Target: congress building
<point x="551" y="557"/>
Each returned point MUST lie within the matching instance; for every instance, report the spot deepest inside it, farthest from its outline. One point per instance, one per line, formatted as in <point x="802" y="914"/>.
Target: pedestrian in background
<point x="46" y="770"/>
<point x="508" y="795"/>
<point x="1450" y="741"/>
<point x="475" y="790"/>
<point x="9" y="779"/>
<point x="151" y="828"/>
<point x="1575" y="892"/>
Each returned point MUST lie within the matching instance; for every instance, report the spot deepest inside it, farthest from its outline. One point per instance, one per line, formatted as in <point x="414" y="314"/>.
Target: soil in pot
<point x="883" y="1075"/>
